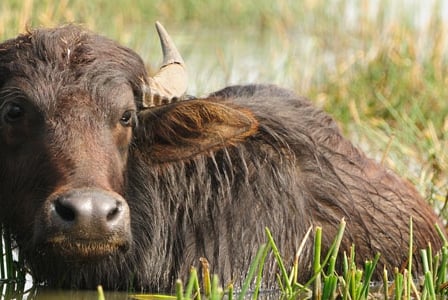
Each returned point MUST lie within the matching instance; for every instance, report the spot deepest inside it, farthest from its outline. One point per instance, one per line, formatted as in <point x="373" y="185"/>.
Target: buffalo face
<point x="63" y="161"/>
<point x="68" y="105"/>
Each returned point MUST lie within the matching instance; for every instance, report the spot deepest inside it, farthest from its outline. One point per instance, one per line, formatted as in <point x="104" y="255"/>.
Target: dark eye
<point x="13" y="112"/>
<point x="127" y="119"/>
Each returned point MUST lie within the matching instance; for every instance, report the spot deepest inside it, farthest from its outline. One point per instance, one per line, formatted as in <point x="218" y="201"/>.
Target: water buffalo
<point x="101" y="184"/>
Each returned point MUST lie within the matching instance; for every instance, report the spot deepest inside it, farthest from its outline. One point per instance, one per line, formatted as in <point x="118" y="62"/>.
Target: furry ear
<point x="182" y="130"/>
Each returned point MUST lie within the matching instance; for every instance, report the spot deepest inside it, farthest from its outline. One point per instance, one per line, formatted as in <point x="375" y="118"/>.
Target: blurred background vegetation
<point x="379" y="67"/>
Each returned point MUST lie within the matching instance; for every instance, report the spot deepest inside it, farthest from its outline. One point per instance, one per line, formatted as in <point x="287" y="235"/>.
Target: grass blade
<point x="335" y="252"/>
<point x="428" y="283"/>
<point x="265" y="253"/>
<point x="411" y="252"/>
<point x="100" y="293"/>
<point x="368" y="273"/>
<point x="287" y="287"/>
<point x="317" y="268"/>
<point x="192" y="283"/>
<point x="179" y="290"/>
<point x="251" y="272"/>
<point x="206" y="276"/>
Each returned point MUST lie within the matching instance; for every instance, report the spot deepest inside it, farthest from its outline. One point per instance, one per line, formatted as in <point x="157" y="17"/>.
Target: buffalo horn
<point x="170" y="82"/>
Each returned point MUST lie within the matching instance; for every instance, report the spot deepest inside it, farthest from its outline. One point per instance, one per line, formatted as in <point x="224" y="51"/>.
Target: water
<point x="45" y="294"/>
<point x="301" y="55"/>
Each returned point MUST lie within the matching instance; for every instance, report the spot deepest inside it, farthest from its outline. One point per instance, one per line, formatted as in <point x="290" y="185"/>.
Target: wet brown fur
<point x="202" y="178"/>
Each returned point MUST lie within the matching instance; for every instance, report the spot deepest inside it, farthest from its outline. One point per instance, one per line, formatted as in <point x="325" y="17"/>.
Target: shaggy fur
<point x="201" y="178"/>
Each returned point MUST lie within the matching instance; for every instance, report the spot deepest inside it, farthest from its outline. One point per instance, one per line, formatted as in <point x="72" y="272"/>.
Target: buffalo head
<point x="68" y="105"/>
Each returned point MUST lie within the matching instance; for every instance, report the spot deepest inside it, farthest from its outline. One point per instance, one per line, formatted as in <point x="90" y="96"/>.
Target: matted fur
<point x="285" y="166"/>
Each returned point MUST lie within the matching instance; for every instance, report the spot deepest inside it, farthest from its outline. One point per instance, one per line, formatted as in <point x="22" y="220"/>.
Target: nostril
<point x="89" y="213"/>
<point x="65" y="212"/>
<point x="114" y="212"/>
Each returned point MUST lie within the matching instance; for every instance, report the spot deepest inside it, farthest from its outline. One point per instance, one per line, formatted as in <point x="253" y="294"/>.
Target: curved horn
<point x="170" y="82"/>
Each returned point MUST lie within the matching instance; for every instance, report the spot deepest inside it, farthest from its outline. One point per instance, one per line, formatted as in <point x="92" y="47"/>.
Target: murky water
<point x="9" y="292"/>
<point x="45" y="294"/>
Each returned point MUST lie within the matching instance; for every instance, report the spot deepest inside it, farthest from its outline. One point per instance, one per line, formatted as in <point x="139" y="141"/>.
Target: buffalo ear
<point x="182" y="130"/>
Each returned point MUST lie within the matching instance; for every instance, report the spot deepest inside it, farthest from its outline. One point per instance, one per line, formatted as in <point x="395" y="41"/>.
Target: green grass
<point x="380" y="74"/>
<point x="354" y="282"/>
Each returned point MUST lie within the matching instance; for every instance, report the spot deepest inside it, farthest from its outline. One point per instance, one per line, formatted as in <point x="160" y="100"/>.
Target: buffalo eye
<point x="128" y="118"/>
<point x="13" y="112"/>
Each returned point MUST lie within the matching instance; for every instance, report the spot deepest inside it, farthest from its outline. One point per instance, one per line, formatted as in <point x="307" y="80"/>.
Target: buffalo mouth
<point x="82" y="225"/>
<point x="83" y="250"/>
